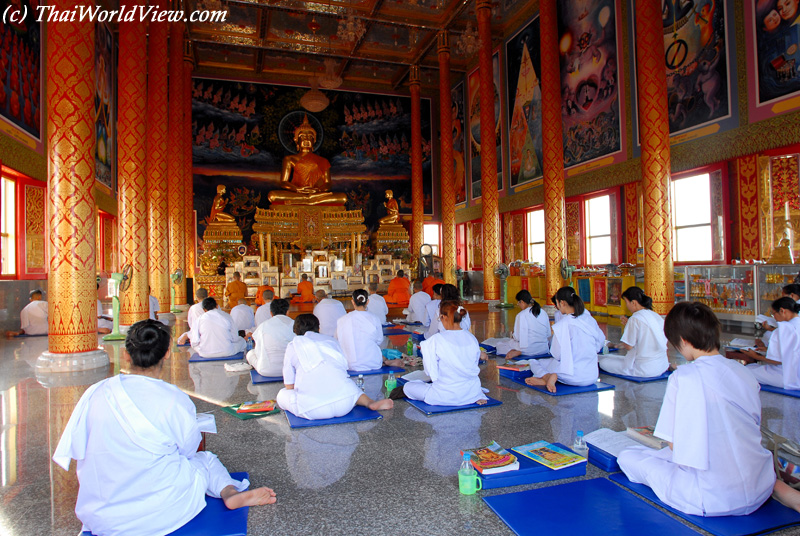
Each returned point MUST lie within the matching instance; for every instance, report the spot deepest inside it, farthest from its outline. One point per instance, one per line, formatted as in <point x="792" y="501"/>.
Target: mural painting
<point x="459" y="143"/>
<point x="104" y="105"/>
<point x="473" y="81"/>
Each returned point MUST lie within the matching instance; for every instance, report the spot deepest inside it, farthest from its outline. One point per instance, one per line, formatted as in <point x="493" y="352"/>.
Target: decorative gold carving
<point x="175" y="161"/>
<point x="34" y="228"/>
<point x="302" y="226"/>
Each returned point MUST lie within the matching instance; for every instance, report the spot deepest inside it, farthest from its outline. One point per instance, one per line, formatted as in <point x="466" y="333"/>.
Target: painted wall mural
<point x="242" y="131"/>
<point x="459" y="143"/>
<point x="104" y="121"/>
<point x="524" y="98"/>
<point x="473" y="81"/>
<point x="772" y="28"/>
<point x="21" y="76"/>
<point x="589" y="43"/>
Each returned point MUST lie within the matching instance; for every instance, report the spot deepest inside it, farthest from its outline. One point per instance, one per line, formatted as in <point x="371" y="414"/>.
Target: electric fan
<point x="501" y="272"/>
<point x="566" y="270"/>
<point x="120" y="283"/>
<point x="177" y="279"/>
<point x="459" y="273"/>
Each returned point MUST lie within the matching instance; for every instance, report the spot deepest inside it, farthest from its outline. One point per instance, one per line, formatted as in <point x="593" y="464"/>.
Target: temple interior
<point x="327" y="146"/>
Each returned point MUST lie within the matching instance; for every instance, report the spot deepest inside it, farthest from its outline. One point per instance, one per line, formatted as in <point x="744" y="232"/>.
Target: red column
<point x="158" y="217"/>
<point x="552" y="147"/>
<point x="489" y="204"/>
<point x="188" y="192"/>
<point x="654" y="134"/>
<point x="446" y="173"/>
<point x="132" y="95"/>
<point x="417" y="192"/>
<point x="175" y="164"/>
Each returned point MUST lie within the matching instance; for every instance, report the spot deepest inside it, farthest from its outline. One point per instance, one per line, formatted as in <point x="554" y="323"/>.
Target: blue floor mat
<point x="258" y="378"/>
<point x="587" y="507"/>
<point x="602" y="459"/>
<point x="779" y="391"/>
<point x="358" y="413"/>
<point x="382" y="370"/>
<point x="530" y="472"/>
<point x="770" y="517"/>
<point x="197" y="358"/>
<point x="214" y="520"/>
<point x="639" y="379"/>
<point x="564" y="389"/>
<point x="393" y="332"/>
<point x="429" y="410"/>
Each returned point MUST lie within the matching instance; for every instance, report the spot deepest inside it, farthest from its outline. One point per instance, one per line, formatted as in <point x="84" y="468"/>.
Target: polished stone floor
<point x="393" y="476"/>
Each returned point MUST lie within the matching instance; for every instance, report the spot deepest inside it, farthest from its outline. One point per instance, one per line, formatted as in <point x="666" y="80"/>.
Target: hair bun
<point x="461" y="310"/>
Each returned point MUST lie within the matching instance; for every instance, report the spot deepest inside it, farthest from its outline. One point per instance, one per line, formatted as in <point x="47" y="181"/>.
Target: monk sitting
<point x="398" y="293"/>
<point x="428" y="282"/>
<point x="260" y="293"/>
<point x="236" y="290"/>
<point x="306" y="290"/>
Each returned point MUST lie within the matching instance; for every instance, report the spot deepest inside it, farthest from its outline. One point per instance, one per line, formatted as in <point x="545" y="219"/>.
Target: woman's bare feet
<point x="786" y="495"/>
<point x="535" y="382"/>
<point x="253" y="497"/>
<point x="550" y="382"/>
<point x="512" y="354"/>
<point x="393" y="362"/>
<point x="481" y="402"/>
<point x="378" y="405"/>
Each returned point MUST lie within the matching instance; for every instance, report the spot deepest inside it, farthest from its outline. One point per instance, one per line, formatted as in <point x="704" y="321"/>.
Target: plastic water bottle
<point x="360" y="382"/>
<point x="467" y="477"/>
<point x="580" y="447"/>
<point x="390" y="383"/>
<point x="249" y="344"/>
<point x="410" y="347"/>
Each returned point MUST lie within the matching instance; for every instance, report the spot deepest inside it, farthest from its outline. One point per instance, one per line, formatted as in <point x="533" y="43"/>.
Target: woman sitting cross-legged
<point x="315" y="375"/>
<point x="450" y="359"/>
<point x="532" y="329"/>
<point x="360" y="334"/>
<point x="135" y="439"/>
<point x="780" y="367"/>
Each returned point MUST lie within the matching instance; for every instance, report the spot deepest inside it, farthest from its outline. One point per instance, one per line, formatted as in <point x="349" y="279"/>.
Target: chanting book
<point x="256" y="407"/>
<point x="645" y="436"/>
<point x="549" y="455"/>
<point x="492" y="459"/>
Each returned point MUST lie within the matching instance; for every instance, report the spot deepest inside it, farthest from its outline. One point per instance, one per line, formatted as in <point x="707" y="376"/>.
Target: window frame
<point x="21" y="181"/>
<point x="438" y="225"/>
<point x="615" y="226"/>
<point x="528" y="211"/>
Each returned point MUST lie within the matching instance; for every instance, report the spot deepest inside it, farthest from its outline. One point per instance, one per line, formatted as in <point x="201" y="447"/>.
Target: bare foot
<point x="533" y="381"/>
<point x="786" y="495"/>
<point x="393" y="362"/>
<point x="481" y="402"/>
<point x="103" y="331"/>
<point x="551" y="382"/>
<point x="512" y="354"/>
<point x="378" y="405"/>
<point x="253" y="497"/>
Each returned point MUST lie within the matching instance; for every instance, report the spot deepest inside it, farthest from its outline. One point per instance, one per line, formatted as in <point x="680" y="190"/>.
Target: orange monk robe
<point x="398" y="293"/>
<point x="428" y="283"/>
<point x="306" y="290"/>
<point x="235" y="291"/>
<point x="260" y="293"/>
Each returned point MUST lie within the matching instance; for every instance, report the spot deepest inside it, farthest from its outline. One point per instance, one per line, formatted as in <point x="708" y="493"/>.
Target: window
<point x="691" y="219"/>
<point x="598" y="230"/>
<point x="8" y="229"/>
<point x="430" y="236"/>
<point x="535" y="224"/>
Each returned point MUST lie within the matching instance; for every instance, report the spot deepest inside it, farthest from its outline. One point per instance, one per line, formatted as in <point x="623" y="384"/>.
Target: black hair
<point x="695" y="323"/>
<point x="449" y="292"/>
<point x="400" y="273"/>
<point x="453" y="308"/>
<point x="279" y="307"/>
<point x="304" y="323"/>
<point x="571" y="298"/>
<point x="792" y="288"/>
<point x="786" y="303"/>
<point x="209" y="304"/>
<point x="525" y="296"/>
<point x="437" y="288"/>
<point x="636" y="294"/>
<point x="38" y="291"/>
<point x="147" y="343"/>
<point x="360" y="297"/>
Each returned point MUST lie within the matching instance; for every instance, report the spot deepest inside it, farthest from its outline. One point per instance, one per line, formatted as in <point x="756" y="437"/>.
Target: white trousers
<point x="236" y="347"/>
<point x="287" y="400"/>
<point x="767" y="374"/>
<point x="213" y="473"/>
<point x="540" y="367"/>
<point x="417" y="390"/>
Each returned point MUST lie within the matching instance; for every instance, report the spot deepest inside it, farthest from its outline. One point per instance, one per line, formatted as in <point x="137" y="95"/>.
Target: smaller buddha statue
<point x="392" y="210"/>
<point x="217" y="207"/>
<point x="782" y="254"/>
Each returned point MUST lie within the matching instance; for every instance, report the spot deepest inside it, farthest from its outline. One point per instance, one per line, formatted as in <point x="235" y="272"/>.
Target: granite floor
<point x="392" y="476"/>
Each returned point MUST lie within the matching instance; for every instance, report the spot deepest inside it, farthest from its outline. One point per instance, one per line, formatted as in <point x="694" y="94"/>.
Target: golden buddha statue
<point x="306" y="177"/>
<point x="217" y="207"/>
<point x="392" y="209"/>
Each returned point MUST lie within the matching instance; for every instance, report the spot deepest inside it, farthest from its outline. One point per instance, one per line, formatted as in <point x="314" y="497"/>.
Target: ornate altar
<point x="222" y="236"/>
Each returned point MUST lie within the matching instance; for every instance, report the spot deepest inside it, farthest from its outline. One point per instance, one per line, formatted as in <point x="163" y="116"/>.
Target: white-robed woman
<point x="450" y="359"/>
<point x="360" y="334"/>
<point x="643" y="339"/>
<point x="781" y="365"/>
<point x="448" y="293"/>
<point x="714" y="464"/>
<point x="576" y="341"/>
<point x="531" y="329"/>
<point x="315" y="376"/>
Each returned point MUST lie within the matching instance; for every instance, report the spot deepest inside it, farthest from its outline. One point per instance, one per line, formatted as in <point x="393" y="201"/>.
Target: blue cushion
<point x="358" y="413"/>
<point x="770" y="517"/>
<point x="258" y="378"/>
<point x="197" y="358"/>
<point x="537" y="356"/>
<point x="382" y="370"/>
<point x="429" y="410"/>
<point x="26" y="335"/>
<point x="587" y="507"/>
<point x="779" y="391"/>
<point x="639" y="379"/>
<point x="393" y="332"/>
<point x="214" y="520"/>
<point x="602" y="459"/>
<point x="530" y="472"/>
<point x="515" y="374"/>
<point x="563" y="389"/>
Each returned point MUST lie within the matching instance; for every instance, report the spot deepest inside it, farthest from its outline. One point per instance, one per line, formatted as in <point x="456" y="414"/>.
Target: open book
<point x="492" y="459"/>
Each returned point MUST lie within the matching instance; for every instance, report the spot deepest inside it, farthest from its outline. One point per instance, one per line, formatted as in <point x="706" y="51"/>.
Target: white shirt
<point x="263" y="313"/>
<point x="213" y="335"/>
<point x="33" y="318"/>
<point x="195" y="312"/>
<point x="243" y="318"/>
<point x="328" y="311"/>
<point x="574" y="349"/>
<point x="153" y="307"/>
<point x="532" y="332"/>
<point x="359" y="334"/>
<point x="134" y="488"/>
<point x="271" y="338"/>
<point x="416" y="306"/>
<point x="431" y="312"/>
<point x="377" y="306"/>
<point x="450" y="359"/>
<point x="314" y="364"/>
<point x="645" y="332"/>
<point x="785" y="348"/>
<point x="437" y="327"/>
